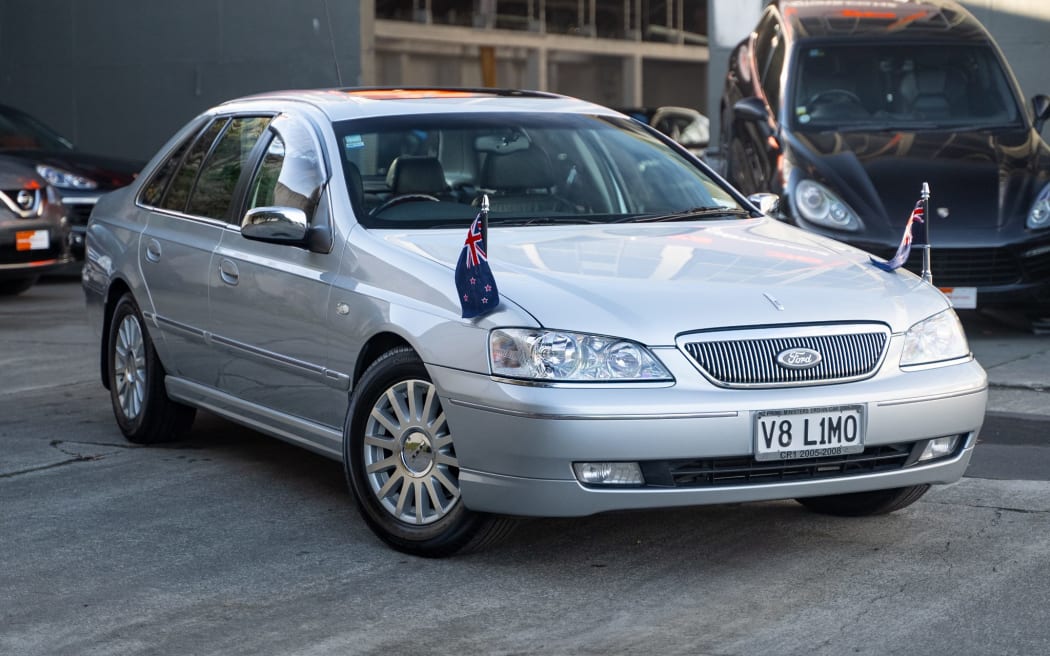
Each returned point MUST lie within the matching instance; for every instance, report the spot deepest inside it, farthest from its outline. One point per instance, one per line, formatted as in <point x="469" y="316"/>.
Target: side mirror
<point x="1041" y="105"/>
<point x="768" y="204"/>
<point x="276" y="225"/>
<point x="751" y="109"/>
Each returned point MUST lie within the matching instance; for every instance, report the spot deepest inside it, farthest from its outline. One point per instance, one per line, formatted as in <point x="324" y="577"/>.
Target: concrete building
<point x="119" y="76"/>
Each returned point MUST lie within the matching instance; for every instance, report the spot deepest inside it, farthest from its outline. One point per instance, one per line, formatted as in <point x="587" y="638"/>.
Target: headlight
<point x="936" y="339"/>
<point x="557" y="355"/>
<point x="1039" y="215"/>
<point x="64" y="179"/>
<point x="817" y="204"/>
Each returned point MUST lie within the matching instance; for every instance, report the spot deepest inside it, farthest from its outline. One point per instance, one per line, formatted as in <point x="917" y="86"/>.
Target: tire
<point x="400" y="463"/>
<point x="141" y="406"/>
<point x="15" y="286"/>
<point x="862" y="504"/>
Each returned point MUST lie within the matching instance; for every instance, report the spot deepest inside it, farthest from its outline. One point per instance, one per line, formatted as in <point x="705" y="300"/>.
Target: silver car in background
<point x="287" y="261"/>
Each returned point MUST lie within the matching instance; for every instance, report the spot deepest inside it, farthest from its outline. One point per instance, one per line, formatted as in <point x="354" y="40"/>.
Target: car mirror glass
<point x="750" y="109"/>
<point x="277" y="225"/>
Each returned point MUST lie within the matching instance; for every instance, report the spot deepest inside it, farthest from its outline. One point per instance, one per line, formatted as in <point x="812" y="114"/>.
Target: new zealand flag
<point x="912" y="232"/>
<point x="474" y="281"/>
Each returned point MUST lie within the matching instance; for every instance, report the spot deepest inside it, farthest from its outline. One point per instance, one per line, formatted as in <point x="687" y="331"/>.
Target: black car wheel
<point x="142" y="408"/>
<point x="860" y="504"/>
<point x="15" y="286"/>
<point x="400" y="461"/>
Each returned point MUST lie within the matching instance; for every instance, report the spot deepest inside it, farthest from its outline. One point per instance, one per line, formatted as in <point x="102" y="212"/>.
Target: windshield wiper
<point x="688" y="215"/>
<point x="540" y="220"/>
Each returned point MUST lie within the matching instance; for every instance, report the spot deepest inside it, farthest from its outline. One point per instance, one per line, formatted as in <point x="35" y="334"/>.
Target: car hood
<point x="651" y="282"/>
<point x="108" y="172"/>
<point x="983" y="181"/>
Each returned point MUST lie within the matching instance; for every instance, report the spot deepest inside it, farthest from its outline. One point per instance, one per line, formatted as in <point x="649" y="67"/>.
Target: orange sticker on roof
<point x="411" y="94"/>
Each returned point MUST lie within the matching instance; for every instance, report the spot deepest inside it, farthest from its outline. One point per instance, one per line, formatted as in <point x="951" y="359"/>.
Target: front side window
<point x="432" y="170"/>
<point x="213" y="194"/>
<point x="901" y="86"/>
<point x="291" y="173"/>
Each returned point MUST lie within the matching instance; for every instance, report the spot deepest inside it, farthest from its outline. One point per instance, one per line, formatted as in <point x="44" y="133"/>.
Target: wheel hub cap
<point x="417" y="453"/>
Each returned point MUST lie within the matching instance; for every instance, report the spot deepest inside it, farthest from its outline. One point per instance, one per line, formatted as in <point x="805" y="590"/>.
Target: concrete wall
<point x="119" y="77"/>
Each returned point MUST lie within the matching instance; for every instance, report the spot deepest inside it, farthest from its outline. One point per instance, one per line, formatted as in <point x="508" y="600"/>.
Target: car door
<point x="270" y="300"/>
<point x="754" y="145"/>
<point x="174" y="254"/>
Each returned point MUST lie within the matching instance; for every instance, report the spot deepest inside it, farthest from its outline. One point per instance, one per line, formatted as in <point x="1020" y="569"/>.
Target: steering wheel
<point x="833" y="96"/>
<point x="405" y="198"/>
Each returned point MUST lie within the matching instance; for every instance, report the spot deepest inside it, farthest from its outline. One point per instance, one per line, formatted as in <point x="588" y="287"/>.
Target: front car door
<point x="270" y="301"/>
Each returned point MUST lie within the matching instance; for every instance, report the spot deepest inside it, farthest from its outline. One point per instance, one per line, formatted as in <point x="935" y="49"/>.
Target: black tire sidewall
<point x="133" y="429"/>
<point x="444" y="536"/>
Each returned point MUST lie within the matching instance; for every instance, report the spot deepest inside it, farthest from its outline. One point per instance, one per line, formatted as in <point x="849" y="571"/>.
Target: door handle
<point x="153" y="250"/>
<point x="228" y="271"/>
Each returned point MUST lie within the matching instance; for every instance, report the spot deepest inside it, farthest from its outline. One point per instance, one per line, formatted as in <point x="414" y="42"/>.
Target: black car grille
<point x="723" y="472"/>
<point x="78" y="213"/>
<point x="968" y="267"/>
<point x="753" y="362"/>
<point x="1037" y="263"/>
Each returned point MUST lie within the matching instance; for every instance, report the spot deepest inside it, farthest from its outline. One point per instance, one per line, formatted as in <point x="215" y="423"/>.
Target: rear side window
<point x="179" y="192"/>
<point x="213" y="194"/>
<point x="154" y="190"/>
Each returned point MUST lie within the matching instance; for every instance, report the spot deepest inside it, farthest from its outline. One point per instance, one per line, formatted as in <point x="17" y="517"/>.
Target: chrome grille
<point x="752" y="361"/>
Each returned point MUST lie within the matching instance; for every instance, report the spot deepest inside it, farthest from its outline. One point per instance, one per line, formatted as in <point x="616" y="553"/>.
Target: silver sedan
<point x="491" y="304"/>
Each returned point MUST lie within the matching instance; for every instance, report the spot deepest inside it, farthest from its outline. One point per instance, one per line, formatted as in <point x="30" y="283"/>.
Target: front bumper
<point x="516" y="444"/>
<point x="22" y="254"/>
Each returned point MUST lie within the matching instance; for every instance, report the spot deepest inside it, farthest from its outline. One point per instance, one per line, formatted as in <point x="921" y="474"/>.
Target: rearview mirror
<point x="1041" y="105"/>
<point x="766" y="203"/>
<point x="276" y="225"/>
<point x="751" y="109"/>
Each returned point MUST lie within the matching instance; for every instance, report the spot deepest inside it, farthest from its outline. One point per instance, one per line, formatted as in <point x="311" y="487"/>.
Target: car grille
<point x="1037" y="263"/>
<point x="968" y="267"/>
<point x="78" y="213"/>
<point x="753" y="362"/>
<point x="722" y="472"/>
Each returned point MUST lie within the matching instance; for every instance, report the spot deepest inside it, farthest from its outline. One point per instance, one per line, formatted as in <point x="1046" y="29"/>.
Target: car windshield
<point x="20" y="131"/>
<point x="433" y="170"/>
<point x="901" y="86"/>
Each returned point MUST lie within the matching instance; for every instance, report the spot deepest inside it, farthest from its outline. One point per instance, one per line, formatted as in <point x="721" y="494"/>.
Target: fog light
<point x="609" y="473"/>
<point x="939" y="447"/>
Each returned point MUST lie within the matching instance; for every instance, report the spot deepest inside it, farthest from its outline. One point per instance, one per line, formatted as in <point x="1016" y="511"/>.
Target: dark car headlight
<point x="1039" y="215"/>
<point x="64" y="179"/>
<point x="817" y="204"/>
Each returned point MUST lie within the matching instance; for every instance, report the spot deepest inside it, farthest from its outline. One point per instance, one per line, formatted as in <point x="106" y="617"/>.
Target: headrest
<point x="520" y="169"/>
<point x="409" y="174"/>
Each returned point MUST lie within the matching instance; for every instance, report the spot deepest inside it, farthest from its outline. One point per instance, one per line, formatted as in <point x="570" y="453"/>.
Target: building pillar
<point x="632" y="80"/>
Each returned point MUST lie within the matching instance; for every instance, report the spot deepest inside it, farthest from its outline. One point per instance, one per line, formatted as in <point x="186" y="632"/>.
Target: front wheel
<point x="141" y="406"/>
<point x="400" y="460"/>
<point x="861" y="504"/>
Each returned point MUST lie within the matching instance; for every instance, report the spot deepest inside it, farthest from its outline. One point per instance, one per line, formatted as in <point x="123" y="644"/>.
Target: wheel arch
<point x="374" y="348"/>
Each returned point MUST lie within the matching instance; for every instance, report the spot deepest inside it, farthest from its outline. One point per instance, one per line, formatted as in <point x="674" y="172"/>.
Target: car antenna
<point x="927" y="275"/>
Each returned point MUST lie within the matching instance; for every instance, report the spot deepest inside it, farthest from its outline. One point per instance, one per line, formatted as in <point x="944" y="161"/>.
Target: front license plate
<point x="962" y="298"/>
<point x="809" y="432"/>
<point x="32" y="240"/>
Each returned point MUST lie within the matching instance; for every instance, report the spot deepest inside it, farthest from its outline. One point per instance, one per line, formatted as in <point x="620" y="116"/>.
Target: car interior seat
<point x="410" y="174"/>
<point x="522" y="181"/>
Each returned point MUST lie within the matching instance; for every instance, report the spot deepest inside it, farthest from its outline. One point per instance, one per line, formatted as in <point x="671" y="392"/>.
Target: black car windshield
<point x="900" y="86"/>
<point x="20" y="131"/>
<point x="432" y="170"/>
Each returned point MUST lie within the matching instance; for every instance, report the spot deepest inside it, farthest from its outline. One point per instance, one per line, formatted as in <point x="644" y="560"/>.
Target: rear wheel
<point x="860" y="504"/>
<point x="400" y="461"/>
<point x="141" y="406"/>
<point x="15" y="286"/>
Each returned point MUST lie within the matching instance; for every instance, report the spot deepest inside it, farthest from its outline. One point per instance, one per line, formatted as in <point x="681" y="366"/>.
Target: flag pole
<point x="927" y="275"/>
<point x="485" y="219"/>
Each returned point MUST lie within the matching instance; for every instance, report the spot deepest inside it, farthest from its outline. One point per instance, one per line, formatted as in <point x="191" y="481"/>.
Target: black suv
<point x="845" y="109"/>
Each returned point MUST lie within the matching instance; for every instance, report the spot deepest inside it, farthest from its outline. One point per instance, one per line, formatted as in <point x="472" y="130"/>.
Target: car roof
<point x="364" y="102"/>
<point x="908" y="19"/>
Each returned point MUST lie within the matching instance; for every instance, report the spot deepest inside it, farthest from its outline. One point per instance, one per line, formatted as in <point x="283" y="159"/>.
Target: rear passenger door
<point x="182" y="233"/>
<point x="269" y="300"/>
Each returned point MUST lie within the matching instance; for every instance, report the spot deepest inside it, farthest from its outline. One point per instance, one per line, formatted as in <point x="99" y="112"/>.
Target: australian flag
<point x="912" y="232"/>
<point x="474" y="281"/>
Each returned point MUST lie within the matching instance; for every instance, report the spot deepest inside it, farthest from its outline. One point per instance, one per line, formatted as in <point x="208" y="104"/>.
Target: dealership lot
<point x="234" y="543"/>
